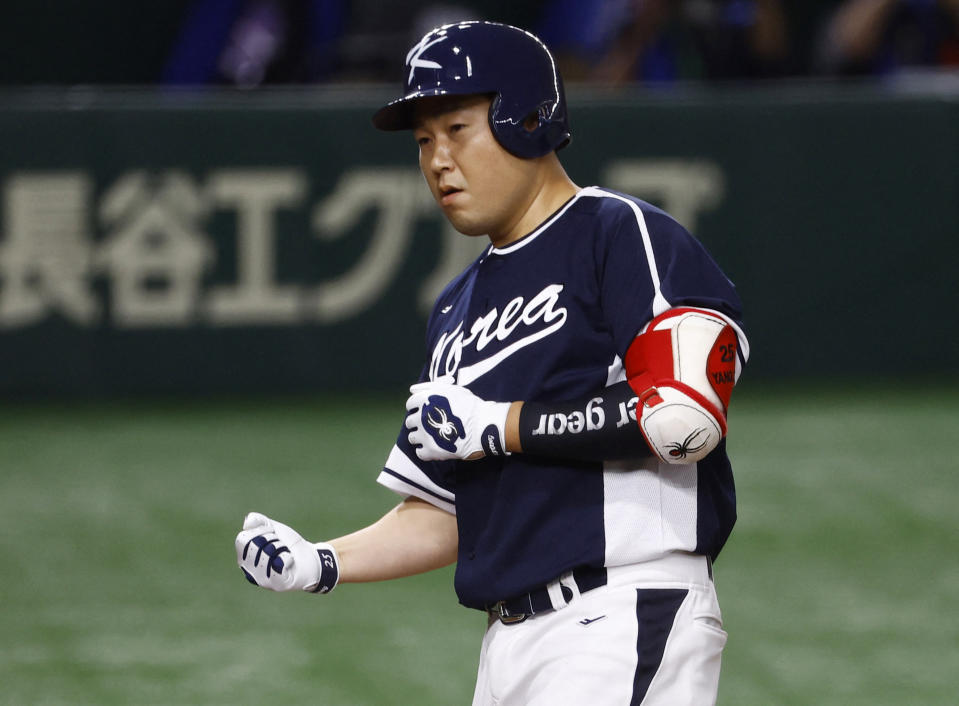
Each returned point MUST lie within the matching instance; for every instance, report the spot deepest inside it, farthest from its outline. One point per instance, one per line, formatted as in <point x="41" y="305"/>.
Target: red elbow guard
<point x="682" y="366"/>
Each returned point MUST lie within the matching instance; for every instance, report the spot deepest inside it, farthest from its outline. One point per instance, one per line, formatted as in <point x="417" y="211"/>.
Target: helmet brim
<point x="398" y="114"/>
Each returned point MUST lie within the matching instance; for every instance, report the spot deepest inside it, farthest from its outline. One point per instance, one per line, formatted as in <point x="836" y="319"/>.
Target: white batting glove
<point x="275" y="556"/>
<point x="447" y="421"/>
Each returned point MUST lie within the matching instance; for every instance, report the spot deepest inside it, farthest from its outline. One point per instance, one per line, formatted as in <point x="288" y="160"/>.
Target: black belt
<point x="518" y="609"/>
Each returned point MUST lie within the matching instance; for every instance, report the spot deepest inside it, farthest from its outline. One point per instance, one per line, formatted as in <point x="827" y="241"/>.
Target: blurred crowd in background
<point x="250" y="43"/>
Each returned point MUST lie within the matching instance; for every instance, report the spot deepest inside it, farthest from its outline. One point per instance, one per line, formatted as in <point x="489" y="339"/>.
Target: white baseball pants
<point x="652" y="636"/>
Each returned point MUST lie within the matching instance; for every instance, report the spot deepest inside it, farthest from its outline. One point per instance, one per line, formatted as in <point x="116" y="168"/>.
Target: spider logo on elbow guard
<point x="680" y="450"/>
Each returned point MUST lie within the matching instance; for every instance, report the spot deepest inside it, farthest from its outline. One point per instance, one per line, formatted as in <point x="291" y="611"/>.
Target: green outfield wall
<point x="210" y="243"/>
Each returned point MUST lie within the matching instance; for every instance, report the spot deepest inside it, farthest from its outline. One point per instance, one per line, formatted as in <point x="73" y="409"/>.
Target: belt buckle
<point x="502" y="613"/>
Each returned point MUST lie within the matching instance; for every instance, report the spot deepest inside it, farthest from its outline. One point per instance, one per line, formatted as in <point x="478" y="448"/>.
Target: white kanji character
<point x="155" y="252"/>
<point x="256" y="195"/>
<point x="45" y="260"/>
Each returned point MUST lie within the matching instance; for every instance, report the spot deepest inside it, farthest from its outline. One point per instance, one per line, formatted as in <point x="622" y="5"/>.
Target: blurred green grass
<point x="119" y="583"/>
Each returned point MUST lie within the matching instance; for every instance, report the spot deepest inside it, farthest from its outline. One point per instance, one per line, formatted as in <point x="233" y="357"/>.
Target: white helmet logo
<point x="414" y="60"/>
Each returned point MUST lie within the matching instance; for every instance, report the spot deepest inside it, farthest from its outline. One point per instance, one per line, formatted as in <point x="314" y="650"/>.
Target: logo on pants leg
<point x="590" y="621"/>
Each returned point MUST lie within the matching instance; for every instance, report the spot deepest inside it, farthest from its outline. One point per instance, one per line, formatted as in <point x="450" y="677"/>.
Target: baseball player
<point x="565" y="443"/>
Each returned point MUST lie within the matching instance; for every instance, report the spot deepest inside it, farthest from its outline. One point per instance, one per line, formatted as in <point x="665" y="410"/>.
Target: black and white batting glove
<point x="275" y="556"/>
<point x="447" y="421"/>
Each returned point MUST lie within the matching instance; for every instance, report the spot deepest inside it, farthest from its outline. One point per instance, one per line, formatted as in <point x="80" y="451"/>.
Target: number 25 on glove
<point x="447" y="421"/>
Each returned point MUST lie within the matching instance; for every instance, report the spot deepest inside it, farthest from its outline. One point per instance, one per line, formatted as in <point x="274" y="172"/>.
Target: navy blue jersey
<point x="549" y="317"/>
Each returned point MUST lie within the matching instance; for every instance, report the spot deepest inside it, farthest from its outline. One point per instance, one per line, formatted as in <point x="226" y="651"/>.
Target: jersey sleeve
<point x="404" y="473"/>
<point x="650" y="264"/>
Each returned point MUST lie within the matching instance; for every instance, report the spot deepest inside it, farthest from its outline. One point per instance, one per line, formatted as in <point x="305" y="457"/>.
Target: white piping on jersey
<point x="399" y="462"/>
<point x="523" y="242"/>
<point x="660" y="303"/>
<point x="408" y="479"/>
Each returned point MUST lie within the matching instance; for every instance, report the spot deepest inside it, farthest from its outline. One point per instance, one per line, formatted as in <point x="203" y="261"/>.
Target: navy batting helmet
<point x="468" y="58"/>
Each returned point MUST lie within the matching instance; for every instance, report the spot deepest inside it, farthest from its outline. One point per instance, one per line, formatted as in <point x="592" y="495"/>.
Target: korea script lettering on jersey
<point x="530" y="321"/>
<point x="549" y="317"/>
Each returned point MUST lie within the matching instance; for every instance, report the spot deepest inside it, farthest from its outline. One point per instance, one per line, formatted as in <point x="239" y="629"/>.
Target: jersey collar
<point x="530" y="237"/>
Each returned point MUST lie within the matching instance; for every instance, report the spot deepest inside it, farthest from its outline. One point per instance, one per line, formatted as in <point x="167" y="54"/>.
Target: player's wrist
<point x="492" y="424"/>
<point x="511" y="434"/>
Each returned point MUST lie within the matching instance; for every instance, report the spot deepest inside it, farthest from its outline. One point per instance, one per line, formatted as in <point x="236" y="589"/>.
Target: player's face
<point x="482" y="188"/>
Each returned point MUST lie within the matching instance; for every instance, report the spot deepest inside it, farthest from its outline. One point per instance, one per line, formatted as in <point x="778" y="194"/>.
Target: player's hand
<point x="447" y="421"/>
<point x="276" y="557"/>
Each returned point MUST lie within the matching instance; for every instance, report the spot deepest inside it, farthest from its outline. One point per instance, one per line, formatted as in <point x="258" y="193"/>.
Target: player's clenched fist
<point x="275" y="556"/>
<point x="447" y="421"/>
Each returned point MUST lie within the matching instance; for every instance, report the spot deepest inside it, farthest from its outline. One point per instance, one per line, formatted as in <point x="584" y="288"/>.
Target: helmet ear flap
<point x="536" y="135"/>
<point x="537" y="117"/>
<point x="553" y="134"/>
<point x="557" y="134"/>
